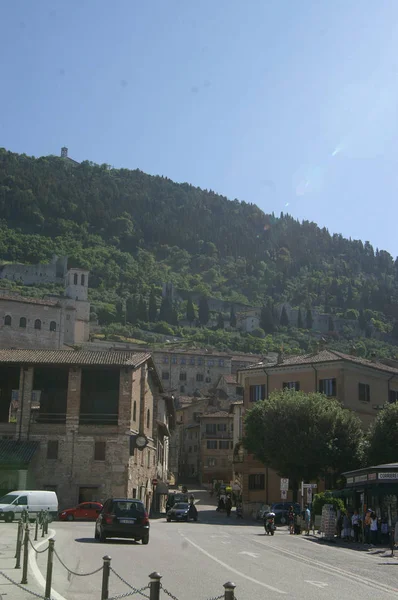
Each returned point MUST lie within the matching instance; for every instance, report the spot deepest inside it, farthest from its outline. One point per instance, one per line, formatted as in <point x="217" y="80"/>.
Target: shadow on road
<point x="118" y="541"/>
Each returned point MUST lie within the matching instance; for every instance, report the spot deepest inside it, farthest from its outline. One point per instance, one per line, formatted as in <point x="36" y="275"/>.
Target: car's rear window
<point x="181" y="506"/>
<point x="127" y="508"/>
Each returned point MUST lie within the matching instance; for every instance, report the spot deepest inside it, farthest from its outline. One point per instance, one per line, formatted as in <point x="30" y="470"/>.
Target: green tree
<point x="362" y="320"/>
<point x="120" y="311"/>
<point x="232" y="317"/>
<point x="383" y="436"/>
<point x="166" y="310"/>
<point x="394" y="331"/>
<point x="308" y="319"/>
<point x="142" y="310"/>
<point x="220" y="321"/>
<point x="204" y="312"/>
<point x="267" y="319"/>
<point x="191" y="315"/>
<point x="300" y="324"/>
<point x="303" y="436"/>
<point x="131" y="310"/>
<point x="284" y="320"/>
<point x="330" y="324"/>
<point x="152" y="307"/>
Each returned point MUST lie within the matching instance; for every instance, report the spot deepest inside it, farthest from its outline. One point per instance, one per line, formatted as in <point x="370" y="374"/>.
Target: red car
<point x="86" y="511"/>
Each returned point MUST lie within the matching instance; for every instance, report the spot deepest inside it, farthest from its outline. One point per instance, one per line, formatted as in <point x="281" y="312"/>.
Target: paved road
<point x="195" y="559"/>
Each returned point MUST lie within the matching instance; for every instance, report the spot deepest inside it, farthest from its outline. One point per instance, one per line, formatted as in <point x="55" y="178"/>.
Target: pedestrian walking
<point x="307" y="517"/>
<point x="367" y="526"/>
<point x="290" y="520"/>
<point x="373" y="528"/>
<point x="356" y="524"/>
<point x="346" y="527"/>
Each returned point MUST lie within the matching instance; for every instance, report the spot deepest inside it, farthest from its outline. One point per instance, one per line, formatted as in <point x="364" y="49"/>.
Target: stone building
<point x="72" y="416"/>
<point x="52" y="272"/>
<point x="188" y="371"/>
<point x="51" y="322"/>
<point x="216" y="440"/>
<point x="361" y="385"/>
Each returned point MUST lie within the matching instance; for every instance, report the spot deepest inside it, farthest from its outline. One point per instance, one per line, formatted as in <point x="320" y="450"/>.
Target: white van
<point x="33" y="501"/>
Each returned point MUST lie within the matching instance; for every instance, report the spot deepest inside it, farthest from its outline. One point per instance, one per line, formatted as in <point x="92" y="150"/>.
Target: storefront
<point x="374" y="487"/>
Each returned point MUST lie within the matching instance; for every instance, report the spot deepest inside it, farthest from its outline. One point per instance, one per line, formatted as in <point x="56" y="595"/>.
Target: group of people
<point x="369" y="529"/>
<point x="295" y="520"/>
<point x="225" y="503"/>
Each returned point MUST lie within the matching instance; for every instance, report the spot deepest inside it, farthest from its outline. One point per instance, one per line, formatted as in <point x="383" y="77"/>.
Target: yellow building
<point x="361" y="385"/>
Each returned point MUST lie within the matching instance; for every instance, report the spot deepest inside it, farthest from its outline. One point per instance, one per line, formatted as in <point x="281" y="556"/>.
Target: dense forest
<point x="134" y="232"/>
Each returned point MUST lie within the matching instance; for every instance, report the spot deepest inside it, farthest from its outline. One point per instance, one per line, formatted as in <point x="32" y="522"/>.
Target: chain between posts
<point x="24" y="588"/>
<point x="135" y="590"/>
<point x="74" y="572"/>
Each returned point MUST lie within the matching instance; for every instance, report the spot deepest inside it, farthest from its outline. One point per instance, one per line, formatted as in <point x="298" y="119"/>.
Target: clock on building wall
<point x="139" y="441"/>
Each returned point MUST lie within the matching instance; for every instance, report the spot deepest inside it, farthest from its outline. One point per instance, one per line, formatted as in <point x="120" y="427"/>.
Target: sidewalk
<point x="9" y="590"/>
<point x="379" y="549"/>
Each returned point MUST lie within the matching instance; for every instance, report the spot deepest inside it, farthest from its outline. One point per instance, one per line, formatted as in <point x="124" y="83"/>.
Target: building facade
<point x="82" y="410"/>
<point x="216" y="440"/>
<point x="361" y="385"/>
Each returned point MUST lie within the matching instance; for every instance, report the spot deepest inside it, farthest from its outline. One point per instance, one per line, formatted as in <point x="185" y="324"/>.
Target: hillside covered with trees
<point x="134" y="232"/>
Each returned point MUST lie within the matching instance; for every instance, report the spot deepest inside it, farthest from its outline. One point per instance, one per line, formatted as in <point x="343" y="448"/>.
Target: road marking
<point x="319" y="584"/>
<point x="35" y="569"/>
<point x="252" y="554"/>
<point x="334" y="570"/>
<point x="229" y="568"/>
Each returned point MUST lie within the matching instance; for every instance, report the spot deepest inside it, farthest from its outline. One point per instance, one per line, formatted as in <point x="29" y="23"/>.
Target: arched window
<point x="7" y="320"/>
<point x="82" y="279"/>
<point x="75" y="278"/>
<point x="148" y="418"/>
<point x="135" y="411"/>
<point x="37" y="324"/>
<point x="53" y="326"/>
<point x="22" y="322"/>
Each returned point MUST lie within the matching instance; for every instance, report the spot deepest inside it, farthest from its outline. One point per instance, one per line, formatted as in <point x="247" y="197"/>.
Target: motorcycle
<point x="269" y="523"/>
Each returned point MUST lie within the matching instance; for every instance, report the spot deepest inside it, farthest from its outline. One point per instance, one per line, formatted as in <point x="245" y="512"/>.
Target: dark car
<point x="86" y="511"/>
<point x="172" y="499"/>
<point x="179" y="512"/>
<point x="123" y="518"/>
<point x="281" y="510"/>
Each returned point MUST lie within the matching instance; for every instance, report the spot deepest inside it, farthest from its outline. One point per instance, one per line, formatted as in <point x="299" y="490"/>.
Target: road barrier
<point x="152" y="591"/>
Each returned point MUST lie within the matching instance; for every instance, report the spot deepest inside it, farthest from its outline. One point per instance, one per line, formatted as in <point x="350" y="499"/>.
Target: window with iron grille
<point x="257" y="481"/>
<point x="183" y="376"/>
<point x="211" y="427"/>
<point x="291" y="385"/>
<point x="199" y="377"/>
<point x="257" y="392"/>
<point x="328" y="387"/>
<point x="364" y="392"/>
<point x="393" y="396"/>
<point x="212" y="444"/>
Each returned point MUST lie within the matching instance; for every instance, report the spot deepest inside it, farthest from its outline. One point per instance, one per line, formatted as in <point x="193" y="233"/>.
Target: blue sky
<point x="290" y="105"/>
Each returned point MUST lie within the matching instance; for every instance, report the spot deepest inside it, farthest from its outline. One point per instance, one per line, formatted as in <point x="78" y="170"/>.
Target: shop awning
<point x="15" y="454"/>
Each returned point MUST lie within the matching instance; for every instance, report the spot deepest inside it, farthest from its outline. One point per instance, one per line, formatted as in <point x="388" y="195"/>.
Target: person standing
<point x="355" y="521"/>
<point x="228" y="505"/>
<point x="373" y="528"/>
<point x="307" y="517"/>
<point x="367" y="526"/>
<point x="290" y="520"/>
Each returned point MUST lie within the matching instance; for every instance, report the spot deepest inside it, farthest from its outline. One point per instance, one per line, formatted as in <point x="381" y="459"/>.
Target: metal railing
<point x="151" y="591"/>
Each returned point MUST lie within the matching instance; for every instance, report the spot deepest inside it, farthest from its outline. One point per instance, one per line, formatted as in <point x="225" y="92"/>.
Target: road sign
<point x="284" y="484"/>
<point x="310" y="485"/>
<point x="283" y="494"/>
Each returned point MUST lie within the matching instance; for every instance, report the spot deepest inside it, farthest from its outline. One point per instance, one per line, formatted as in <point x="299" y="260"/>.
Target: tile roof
<point x="74" y="357"/>
<point x="230" y="379"/>
<point x="325" y="356"/>
<point x="218" y="414"/>
<point x="13" y="452"/>
<point x="26" y="300"/>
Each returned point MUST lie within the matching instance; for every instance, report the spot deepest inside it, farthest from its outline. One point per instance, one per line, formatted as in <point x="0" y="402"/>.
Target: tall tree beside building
<point x="284" y="321"/>
<point x="191" y="315"/>
<point x="307" y="435"/>
<point x="232" y="317"/>
<point x="308" y="318"/>
<point x="142" y="310"/>
<point x="220" y="321"/>
<point x="152" y="307"/>
<point x="120" y="311"/>
<point x="204" y="312"/>
<point x="383" y="436"/>
<point x="300" y="324"/>
<point x="166" y="310"/>
<point x="267" y="319"/>
<point x="131" y="310"/>
<point x="330" y="324"/>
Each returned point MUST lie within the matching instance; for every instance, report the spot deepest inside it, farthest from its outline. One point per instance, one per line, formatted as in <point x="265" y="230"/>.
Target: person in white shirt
<point x="373" y="528"/>
<point x="356" y="525"/>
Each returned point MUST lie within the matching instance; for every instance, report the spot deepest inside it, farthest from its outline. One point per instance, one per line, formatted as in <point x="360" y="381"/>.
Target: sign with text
<point x="284" y="484"/>
<point x="283" y="494"/>
<point x="386" y="476"/>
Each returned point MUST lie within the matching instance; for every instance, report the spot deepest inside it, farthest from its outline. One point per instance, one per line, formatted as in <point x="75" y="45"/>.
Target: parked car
<point x="179" y="512"/>
<point x="281" y="510"/>
<point x="12" y="504"/>
<point x="122" y="518"/>
<point x="86" y="511"/>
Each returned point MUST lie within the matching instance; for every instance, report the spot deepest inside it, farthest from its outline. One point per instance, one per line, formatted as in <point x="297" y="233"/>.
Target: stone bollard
<point x="36" y="528"/>
<point x="19" y="545"/>
<point x="106" y="569"/>
<point x="49" y="575"/>
<point x="154" y="586"/>
<point x="25" y="555"/>
<point x="229" y="593"/>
